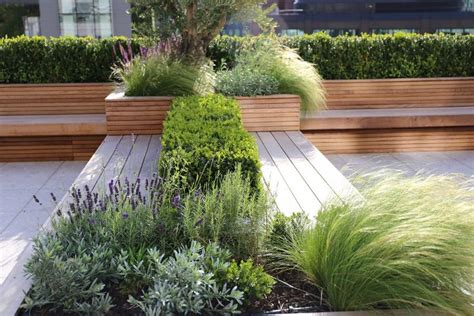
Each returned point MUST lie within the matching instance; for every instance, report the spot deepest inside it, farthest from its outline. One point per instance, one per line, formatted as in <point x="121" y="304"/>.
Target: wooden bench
<point x="392" y="115"/>
<point x="298" y="176"/>
<point x="51" y="121"/>
<point x="117" y="156"/>
<point x="53" y="99"/>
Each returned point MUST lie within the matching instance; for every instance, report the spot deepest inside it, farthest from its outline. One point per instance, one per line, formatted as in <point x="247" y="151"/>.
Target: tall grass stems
<point x="410" y="244"/>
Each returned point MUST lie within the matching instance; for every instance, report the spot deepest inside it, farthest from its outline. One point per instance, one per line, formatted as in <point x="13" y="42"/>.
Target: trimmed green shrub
<point x="57" y="60"/>
<point x="409" y="245"/>
<point x="70" y="59"/>
<point x="204" y="138"/>
<point x="370" y="56"/>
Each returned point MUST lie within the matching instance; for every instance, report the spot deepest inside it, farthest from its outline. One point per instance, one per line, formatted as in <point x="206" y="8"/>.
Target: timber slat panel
<point x="30" y="148"/>
<point x="145" y="115"/>
<point x="41" y="99"/>
<point x="393" y="140"/>
<point x="390" y="93"/>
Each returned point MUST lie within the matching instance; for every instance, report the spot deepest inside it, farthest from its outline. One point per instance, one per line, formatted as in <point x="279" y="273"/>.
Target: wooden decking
<point x="298" y="176"/>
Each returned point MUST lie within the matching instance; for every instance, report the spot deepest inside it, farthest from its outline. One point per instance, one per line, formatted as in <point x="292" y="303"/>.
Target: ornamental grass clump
<point x="409" y="245"/>
<point x="267" y="62"/>
<point x="158" y="71"/>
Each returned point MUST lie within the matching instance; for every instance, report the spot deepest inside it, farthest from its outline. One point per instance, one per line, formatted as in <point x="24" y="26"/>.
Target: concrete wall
<point x="49" y="18"/>
<point x="122" y="22"/>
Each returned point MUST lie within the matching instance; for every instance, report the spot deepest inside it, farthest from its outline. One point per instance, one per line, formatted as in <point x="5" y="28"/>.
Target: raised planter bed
<point x="145" y="115"/>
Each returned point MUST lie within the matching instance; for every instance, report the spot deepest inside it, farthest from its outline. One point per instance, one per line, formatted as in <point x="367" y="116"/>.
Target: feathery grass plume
<point x="409" y="245"/>
<point x="294" y="75"/>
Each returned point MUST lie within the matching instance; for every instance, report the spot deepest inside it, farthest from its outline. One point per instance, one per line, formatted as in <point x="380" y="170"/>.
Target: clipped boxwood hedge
<point x="57" y="60"/>
<point x="69" y="59"/>
<point x="204" y="138"/>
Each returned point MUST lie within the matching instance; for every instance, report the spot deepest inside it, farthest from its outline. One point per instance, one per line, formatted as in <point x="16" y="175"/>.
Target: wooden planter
<point x="145" y="115"/>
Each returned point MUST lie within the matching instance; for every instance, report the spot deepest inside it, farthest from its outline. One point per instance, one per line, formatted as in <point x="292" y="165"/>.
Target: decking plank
<point x="133" y="166"/>
<point x="274" y="181"/>
<point x="340" y="185"/>
<point x="320" y="188"/>
<point x="303" y="194"/>
<point x="152" y="156"/>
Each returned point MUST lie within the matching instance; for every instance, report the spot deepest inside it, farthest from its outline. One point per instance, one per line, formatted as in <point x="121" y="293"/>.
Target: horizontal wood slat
<point x="394" y="93"/>
<point x="392" y="140"/>
<point x="145" y="115"/>
<point x="80" y="147"/>
<point x="53" y="99"/>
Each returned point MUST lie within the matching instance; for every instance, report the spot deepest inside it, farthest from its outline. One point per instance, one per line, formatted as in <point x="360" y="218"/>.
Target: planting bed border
<point x="145" y="115"/>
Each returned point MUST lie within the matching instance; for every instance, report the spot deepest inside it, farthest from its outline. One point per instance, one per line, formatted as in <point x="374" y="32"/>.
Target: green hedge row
<point x="56" y="60"/>
<point x="38" y="60"/>
<point x="372" y="56"/>
<point x="204" y="138"/>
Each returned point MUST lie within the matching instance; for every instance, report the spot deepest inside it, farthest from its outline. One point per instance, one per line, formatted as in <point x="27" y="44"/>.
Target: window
<point x="85" y="18"/>
<point x="456" y="31"/>
<point x="393" y="31"/>
<point x="292" y="32"/>
<point x="336" y="32"/>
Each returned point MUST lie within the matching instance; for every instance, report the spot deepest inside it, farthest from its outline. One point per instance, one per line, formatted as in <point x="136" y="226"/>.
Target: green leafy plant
<point x="252" y="280"/>
<point x="292" y="74"/>
<point x="186" y="283"/>
<point x="409" y="245"/>
<point x="245" y="82"/>
<point x="203" y="139"/>
<point x="230" y="213"/>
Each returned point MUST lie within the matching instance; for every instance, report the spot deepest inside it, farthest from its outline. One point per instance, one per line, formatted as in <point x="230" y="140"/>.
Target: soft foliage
<point x="43" y="60"/>
<point x="409" y="245"/>
<point x="253" y="281"/>
<point x="186" y="283"/>
<point x="245" y="82"/>
<point x="160" y="75"/>
<point x="203" y="139"/>
<point x="283" y="65"/>
<point x="119" y="243"/>
<point x="231" y="213"/>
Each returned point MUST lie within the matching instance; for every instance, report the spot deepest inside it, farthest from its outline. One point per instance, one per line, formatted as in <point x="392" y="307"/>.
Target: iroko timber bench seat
<point x="50" y="137"/>
<point x="389" y="118"/>
<point x="390" y="115"/>
<point x="117" y="156"/>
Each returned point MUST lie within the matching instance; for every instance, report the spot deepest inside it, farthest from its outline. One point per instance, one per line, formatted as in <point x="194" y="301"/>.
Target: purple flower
<point x="91" y="221"/>
<point x="176" y="202"/>
<point x="125" y="215"/>
<point x="197" y="193"/>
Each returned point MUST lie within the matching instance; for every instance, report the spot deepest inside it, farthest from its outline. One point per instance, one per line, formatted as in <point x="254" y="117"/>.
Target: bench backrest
<point x="399" y="93"/>
<point x="53" y="99"/>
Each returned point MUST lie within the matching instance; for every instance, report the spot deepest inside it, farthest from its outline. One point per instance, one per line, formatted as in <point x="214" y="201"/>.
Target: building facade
<point x="97" y="18"/>
<point x="375" y="16"/>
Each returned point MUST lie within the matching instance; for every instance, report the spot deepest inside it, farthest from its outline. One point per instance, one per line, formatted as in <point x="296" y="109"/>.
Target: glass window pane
<point x="85" y="25"/>
<point x="68" y="27"/>
<point x="67" y="6"/>
<point x="102" y="6"/>
<point x="85" y="6"/>
<point x="103" y="25"/>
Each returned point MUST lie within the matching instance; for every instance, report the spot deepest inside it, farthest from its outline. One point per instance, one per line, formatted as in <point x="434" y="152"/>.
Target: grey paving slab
<point x="438" y="163"/>
<point x="21" y="217"/>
